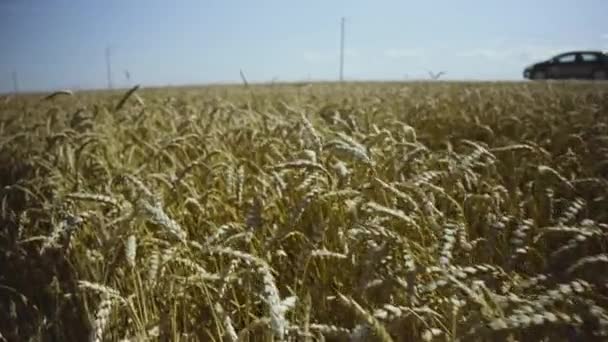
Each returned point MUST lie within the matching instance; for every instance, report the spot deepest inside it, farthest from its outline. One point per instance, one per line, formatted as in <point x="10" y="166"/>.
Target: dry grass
<point x="362" y="212"/>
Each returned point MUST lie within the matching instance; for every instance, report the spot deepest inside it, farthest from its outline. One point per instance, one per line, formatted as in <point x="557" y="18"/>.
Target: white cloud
<point x="325" y="56"/>
<point x="483" y="53"/>
<point x="403" y="53"/>
<point x="317" y="57"/>
<point x="351" y="53"/>
<point x="499" y="53"/>
<point x="521" y="53"/>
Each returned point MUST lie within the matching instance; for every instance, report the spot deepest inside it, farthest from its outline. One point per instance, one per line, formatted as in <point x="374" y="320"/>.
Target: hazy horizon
<point x="58" y="44"/>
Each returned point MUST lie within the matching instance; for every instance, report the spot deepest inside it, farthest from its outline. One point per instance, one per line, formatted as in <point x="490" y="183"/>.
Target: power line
<point x="109" y="67"/>
<point x="342" y="50"/>
<point x="15" y="82"/>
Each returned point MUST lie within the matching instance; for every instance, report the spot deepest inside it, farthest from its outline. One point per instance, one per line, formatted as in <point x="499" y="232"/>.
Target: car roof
<point x="582" y="51"/>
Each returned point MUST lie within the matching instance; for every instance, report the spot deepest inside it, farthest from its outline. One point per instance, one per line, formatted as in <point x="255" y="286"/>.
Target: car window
<point x="566" y="58"/>
<point x="589" y="57"/>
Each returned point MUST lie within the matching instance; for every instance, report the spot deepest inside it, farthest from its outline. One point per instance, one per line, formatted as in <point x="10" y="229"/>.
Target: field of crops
<point x="359" y="212"/>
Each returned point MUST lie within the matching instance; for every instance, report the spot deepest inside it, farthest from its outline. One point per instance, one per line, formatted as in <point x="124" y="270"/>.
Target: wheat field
<point x="428" y="211"/>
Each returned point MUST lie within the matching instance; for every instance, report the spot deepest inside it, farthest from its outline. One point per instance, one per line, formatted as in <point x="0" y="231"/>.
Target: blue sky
<point x="60" y="44"/>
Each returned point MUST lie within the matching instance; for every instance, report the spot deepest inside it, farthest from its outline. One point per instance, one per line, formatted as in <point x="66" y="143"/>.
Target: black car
<point x="571" y="65"/>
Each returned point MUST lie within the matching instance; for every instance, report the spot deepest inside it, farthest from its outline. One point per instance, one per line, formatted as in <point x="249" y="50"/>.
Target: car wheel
<point x="600" y="75"/>
<point x="539" y="75"/>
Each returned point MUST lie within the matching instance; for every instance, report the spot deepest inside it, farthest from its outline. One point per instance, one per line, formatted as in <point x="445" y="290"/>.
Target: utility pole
<point x="109" y="67"/>
<point x="342" y="50"/>
<point x="16" y="82"/>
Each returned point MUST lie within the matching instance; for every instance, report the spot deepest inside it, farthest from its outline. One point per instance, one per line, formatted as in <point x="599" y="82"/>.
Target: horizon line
<point x="265" y="83"/>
